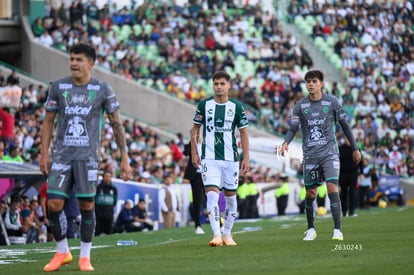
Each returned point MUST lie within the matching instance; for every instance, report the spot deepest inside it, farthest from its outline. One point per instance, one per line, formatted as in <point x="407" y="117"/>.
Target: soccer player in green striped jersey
<point x="219" y="116"/>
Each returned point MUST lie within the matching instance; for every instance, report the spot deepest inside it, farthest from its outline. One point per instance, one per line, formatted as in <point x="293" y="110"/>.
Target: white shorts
<point x="221" y="174"/>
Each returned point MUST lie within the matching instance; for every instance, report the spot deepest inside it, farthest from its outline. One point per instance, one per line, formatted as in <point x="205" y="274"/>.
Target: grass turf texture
<point x="378" y="241"/>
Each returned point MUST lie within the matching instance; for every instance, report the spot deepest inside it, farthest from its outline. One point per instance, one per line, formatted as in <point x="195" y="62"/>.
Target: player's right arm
<point x="293" y="128"/>
<point x="119" y="134"/>
<point x="198" y="120"/>
<point x="46" y="135"/>
<point x="195" y="136"/>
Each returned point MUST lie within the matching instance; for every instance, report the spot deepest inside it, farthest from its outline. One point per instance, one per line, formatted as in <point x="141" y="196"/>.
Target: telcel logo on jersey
<point x="77" y="110"/>
<point x="313" y="122"/>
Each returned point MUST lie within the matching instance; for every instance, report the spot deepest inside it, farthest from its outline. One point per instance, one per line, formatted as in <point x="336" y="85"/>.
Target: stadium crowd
<point x="175" y="48"/>
<point x="376" y="46"/>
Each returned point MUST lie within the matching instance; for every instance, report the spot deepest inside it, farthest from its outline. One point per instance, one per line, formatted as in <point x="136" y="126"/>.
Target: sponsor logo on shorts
<point x="92" y="175"/>
<point x="93" y="164"/>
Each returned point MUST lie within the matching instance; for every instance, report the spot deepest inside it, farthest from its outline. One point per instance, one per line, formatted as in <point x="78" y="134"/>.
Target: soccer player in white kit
<point x="219" y="117"/>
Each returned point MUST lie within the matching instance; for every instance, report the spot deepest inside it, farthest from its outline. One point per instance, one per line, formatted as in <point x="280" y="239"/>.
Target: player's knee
<point x="86" y="204"/>
<point x="55" y="205"/>
<point x="311" y="193"/>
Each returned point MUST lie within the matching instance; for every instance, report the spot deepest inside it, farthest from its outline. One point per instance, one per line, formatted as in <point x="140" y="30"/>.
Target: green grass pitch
<point x="378" y="241"/>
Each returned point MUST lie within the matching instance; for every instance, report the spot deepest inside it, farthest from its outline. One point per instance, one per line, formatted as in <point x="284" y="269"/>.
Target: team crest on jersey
<point x="198" y="117"/>
<point x="210" y="111"/>
<point x="230" y="113"/>
<point x="306" y="111"/>
<point x="92" y="95"/>
<point x="79" y="99"/>
<point x="325" y="109"/>
<point x="76" y="134"/>
<point x="52" y="103"/>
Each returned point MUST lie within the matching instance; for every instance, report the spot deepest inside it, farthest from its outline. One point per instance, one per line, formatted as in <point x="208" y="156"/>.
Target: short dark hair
<point x="314" y="74"/>
<point x="85" y="49"/>
<point x="221" y="74"/>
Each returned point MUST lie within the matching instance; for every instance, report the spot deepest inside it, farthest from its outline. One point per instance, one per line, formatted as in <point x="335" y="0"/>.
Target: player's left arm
<point x="242" y="123"/>
<point x="341" y="116"/>
<point x="244" y="140"/>
<point x="119" y="135"/>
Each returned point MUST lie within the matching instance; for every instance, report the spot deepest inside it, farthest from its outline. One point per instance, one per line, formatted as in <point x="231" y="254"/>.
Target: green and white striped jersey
<point x="219" y="122"/>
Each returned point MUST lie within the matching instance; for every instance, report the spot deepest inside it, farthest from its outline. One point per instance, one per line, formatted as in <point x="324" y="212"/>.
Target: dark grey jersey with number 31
<point x="317" y="120"/>
<point x="80" y="112"/>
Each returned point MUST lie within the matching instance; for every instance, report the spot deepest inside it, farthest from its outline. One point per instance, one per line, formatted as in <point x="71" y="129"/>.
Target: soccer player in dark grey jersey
<point x="317" y="114"/>
<point x="78" y="102"/>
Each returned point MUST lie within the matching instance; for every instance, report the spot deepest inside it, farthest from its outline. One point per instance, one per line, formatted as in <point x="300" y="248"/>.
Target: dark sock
<point x="87" y="228"/>
<point x="335" y="209"/>
<point x="57" y="225"/>
<point x="309" y="212"/>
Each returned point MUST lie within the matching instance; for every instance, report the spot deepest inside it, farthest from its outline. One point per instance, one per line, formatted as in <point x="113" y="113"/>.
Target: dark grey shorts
<point x="64" y="175"/>
<point x="316" y="171"/>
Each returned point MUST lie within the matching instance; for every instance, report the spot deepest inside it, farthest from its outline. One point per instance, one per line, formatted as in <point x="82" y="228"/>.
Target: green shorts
<point x="65" y="175"/>
<point x="316" y="171"/>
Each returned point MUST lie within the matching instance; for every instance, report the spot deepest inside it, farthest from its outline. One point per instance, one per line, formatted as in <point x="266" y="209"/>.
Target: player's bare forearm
<point x="244" y="139"/>
<point x="195" y="136"/>
<point x="46" y="136"/>
<point x="47" y="132"/>
<point x="118" y="129"/>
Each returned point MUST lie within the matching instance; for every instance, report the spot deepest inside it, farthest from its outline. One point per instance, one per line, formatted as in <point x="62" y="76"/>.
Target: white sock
<point x="62" y="246"/>
<point x="213" y="212"/>
<point x="85" y="250"/>
<point x="231" y="211"/>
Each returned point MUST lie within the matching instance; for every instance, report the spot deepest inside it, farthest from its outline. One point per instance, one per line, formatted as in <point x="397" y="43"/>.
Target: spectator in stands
<point x="76" y="12"/>
<point x="37" y="27"/>
<point x="46" y="39"/>
<point x="395" y="159"/>
<point x="168" y="202"/>
<point x="125" y="220"/>
<point x="12" y="220"/>
<point x="92" y="11"/>
<point x="14" y="155"/>
<point x="317" y="30"/>
<point x="13" y="79"/>
<point x="142" y="218"/>
<point x="7" y="122"/>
